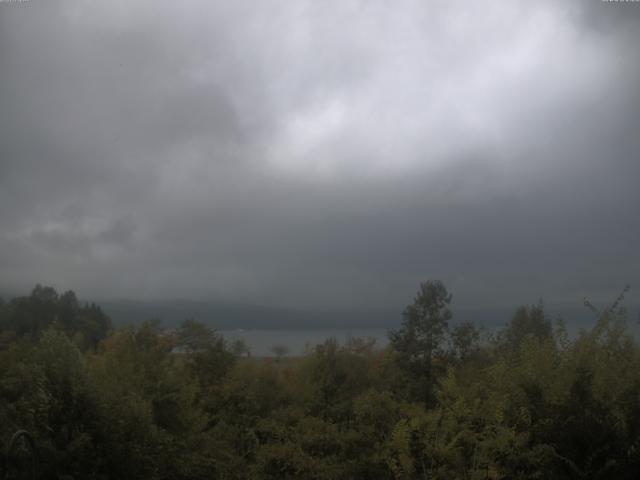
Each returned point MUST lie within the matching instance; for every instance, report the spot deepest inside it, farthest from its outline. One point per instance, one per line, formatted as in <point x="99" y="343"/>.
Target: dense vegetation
<point x="442" y="401"/>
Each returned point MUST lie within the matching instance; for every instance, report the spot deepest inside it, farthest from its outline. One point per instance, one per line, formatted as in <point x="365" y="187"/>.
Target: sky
<point x="312" y="154"/>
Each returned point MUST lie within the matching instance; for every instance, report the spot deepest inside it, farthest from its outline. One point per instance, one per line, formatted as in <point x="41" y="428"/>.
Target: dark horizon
<point x="328" y="155"/>
<point x="226" y="315"/>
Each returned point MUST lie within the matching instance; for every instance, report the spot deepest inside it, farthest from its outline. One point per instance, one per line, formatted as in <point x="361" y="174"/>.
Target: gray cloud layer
<point x="320" y="153"/>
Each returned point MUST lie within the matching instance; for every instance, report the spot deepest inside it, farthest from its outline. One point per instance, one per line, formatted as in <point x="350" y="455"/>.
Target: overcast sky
<point x="314" y="153"/>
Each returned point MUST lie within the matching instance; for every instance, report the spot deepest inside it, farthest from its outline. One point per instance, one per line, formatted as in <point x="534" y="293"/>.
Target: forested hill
<point x="229" y="316"/>
<point x="226" y="315"/>
<point x="442" y="401"/>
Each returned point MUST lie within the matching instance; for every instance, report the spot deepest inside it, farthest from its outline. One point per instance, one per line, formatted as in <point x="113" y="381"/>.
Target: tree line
<point x="441" y="401"/>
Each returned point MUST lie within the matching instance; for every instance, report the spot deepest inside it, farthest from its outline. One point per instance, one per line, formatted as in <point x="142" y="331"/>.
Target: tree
<point x="422" y="332"/>
<point x="30" y="316"/>
<point x="465" y="339"/>
<point x="336" y="376"/>
<point x="528" y="321"/>
<point x="279" y="351"/>
<point x="206" y="353"/>
<point x="240" y="348"/>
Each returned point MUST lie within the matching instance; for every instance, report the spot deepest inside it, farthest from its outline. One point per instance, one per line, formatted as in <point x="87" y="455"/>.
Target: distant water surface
<point x="297" y="341"/>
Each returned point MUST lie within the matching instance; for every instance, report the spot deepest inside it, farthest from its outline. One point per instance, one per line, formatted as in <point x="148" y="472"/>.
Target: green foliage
<point x="43" y="308"/>
<point x="421" y="336"/>
<point x="205" y="352"/>
<point x="528" y="321"/>
<point x="465" y="340"/>
<point x="150" y="403"/>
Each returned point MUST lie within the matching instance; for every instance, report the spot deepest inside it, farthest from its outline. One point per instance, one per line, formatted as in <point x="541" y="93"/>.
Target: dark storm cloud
<point x="305" y="153"/>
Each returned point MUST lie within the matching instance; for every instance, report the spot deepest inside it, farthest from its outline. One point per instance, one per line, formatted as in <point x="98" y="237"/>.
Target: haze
<point x="313" y="154"/>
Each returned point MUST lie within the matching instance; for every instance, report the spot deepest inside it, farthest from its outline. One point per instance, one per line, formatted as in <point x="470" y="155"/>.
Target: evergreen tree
<point x="419" y="339"/>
